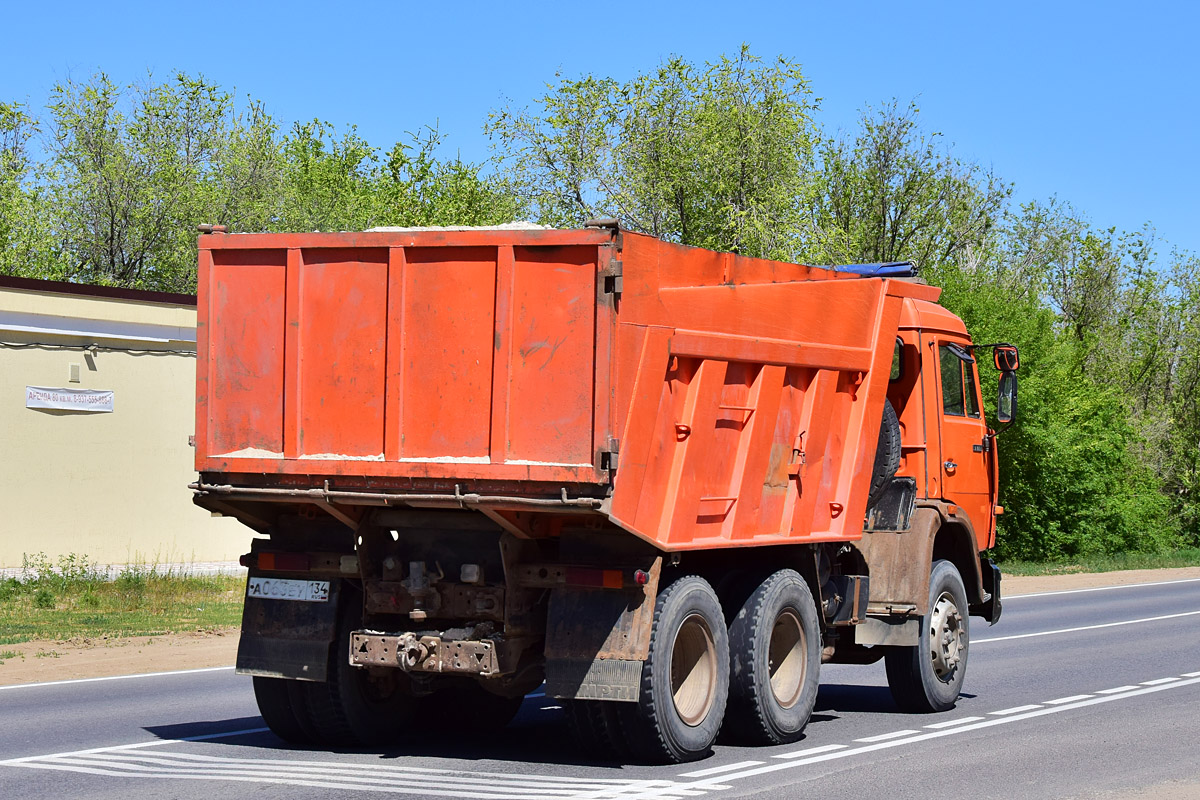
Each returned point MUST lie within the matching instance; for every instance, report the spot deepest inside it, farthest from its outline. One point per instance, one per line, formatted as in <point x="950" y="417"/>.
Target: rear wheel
<point x="596" y="727"/>
<point x="685" y="678"/>
<point x="274" y="698"/>
<point x="775" y="652"/>
<point x="358" y="705"/>
<point x="928" y="676"/>
<point x="464" y="707"/>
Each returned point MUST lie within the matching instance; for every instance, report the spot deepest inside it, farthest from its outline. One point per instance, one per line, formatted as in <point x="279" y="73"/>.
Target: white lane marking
<point x="812" y="751"/>
<point x="1191" y="674"/>
<point x="636" y="789"/>
<point x="1084" y="628"/>
<point x="700" y="773"/>
<point x="953" y="722"/>
<point x="1159" y="681"/>
<point x="1117" y="690"/>
<point x="881" y="737"/>
<point x="137" y="745"/>
<point x="1016" y="710"/>
<point x="124" y="761"/>
<point x="1064" y="700"/>
<point x="1100" y="588"/>
<point x="116" y="678"/>
<point x="930" y="735"/>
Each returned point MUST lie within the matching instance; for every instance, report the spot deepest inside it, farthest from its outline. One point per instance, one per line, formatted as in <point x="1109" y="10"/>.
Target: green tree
<point x="894" y="193"/>
<point x="718" y="156"/>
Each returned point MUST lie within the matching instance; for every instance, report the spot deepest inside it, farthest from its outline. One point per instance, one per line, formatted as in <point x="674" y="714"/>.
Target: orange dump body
<point x="702" y="399"/>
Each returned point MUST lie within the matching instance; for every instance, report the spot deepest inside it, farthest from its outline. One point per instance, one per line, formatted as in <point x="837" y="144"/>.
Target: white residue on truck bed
<point x="338" y="457"/>
<point x="249" y="452"/>
<point x="448" y="460"/>
<point x="522" y="463"/>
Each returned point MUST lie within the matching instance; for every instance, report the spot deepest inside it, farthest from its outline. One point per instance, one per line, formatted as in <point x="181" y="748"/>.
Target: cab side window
<point x="969" y="384"/>
<point x="952" y="382"/>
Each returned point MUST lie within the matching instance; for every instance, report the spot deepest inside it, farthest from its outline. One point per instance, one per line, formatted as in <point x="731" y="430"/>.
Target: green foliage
<point x="719" y="156"/>
<point x="1103" y="458"/>
<point x="894" y="194"/>
<point x="1183" y="557"/>
<point x="131" y="170"/>
<point x="73" y="597"/>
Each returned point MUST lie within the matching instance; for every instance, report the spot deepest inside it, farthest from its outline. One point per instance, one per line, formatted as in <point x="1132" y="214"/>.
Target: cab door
<point x="966" y="466"/>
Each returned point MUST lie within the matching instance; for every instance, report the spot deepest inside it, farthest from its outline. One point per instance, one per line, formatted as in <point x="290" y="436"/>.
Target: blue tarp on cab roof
<point x="889" y="269"/>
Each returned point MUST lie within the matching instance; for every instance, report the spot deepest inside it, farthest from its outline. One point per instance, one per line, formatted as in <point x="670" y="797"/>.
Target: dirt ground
<point x="40" y="661"/>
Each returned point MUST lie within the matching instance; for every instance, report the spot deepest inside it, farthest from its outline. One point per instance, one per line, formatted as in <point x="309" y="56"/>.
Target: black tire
<point x="357" y="706"/>
<point x="274" y="698"/>
<point x="685" y="679"/>
<point x="887" y="453"/>
<point x="929" y="676"/>
<point x="775" y="661"/>
<point x="461" y="701"/>
<point x="597" y="729"/>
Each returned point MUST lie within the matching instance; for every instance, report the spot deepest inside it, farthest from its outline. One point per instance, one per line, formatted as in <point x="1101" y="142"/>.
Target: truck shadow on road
<point x="538" y="734"/>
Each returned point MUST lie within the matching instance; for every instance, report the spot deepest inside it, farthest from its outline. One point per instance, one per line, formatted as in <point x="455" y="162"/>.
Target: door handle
<point x="950" y="466"/>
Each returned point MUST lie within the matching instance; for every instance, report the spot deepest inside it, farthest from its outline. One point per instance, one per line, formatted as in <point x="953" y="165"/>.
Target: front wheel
<point x="685" y="679"/>
<point x="928" y="676"/>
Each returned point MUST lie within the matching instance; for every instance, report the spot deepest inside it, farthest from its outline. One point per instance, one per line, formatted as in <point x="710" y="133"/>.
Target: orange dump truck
<point x="668" y="483"/>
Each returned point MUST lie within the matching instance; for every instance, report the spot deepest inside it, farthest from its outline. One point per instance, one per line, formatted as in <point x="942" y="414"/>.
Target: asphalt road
<point x="1073" y="694"/>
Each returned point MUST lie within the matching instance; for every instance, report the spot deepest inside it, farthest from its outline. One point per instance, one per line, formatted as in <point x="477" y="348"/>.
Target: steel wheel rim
<point x="947" y="637"/>
<point x="786" y="662"/>
<point x="693" y="670"/>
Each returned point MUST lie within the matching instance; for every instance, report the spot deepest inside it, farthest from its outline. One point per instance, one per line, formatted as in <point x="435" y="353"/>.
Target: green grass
<point x="73" y="599"/>
<point x="1187" y="557"/>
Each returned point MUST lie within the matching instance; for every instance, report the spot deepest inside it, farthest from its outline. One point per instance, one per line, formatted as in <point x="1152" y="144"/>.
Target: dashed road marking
<point x="812" y="751"/>
<point x="1015" y="710"/>
<point x="884" y="736"/>
<point x="951" y="723"/>
<point x="1012" y="717"/>
<point x="136" y="761"/>
<point x="701" y="773"/>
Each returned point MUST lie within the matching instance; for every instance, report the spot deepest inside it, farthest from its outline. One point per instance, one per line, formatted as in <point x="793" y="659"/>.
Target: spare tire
<point x="887" y="453"/>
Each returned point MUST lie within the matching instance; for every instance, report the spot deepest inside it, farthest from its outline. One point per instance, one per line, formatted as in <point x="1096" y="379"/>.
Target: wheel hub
<point x="947" y="637"/>
<point x="786" y="658"/>
<point x="693" y="670"/>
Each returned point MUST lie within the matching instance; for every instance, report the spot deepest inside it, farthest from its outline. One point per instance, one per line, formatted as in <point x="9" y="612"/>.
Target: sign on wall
<point x="69" y="399"/>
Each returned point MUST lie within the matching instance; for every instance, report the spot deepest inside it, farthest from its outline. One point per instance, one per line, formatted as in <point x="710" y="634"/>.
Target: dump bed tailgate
<point x="439" y="355"/>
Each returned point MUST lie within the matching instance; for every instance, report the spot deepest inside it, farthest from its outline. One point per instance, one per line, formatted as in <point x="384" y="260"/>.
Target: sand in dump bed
<point x="94" y="658"/>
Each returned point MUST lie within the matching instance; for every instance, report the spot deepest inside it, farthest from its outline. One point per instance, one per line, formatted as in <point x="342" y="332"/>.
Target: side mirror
<point x="1007" y="358"/>
<point x="1006" y="405"/>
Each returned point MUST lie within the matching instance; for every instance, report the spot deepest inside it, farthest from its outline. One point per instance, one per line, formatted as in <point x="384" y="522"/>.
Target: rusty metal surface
<point x="287" y="639"/>
<point x="589" y="624"/>
<point x="417" y="653"/>
<point x="899" y="564"/>
<point x="445" y="600"/>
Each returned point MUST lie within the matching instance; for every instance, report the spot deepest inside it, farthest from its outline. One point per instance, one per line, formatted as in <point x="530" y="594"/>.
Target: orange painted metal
<point x="715" y="400"/>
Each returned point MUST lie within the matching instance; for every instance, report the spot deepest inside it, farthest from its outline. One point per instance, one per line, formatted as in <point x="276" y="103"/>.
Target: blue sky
<point x="1097" y="103"/>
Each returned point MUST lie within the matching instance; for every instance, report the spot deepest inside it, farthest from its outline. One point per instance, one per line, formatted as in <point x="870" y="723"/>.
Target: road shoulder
<point x="38" y="661"/>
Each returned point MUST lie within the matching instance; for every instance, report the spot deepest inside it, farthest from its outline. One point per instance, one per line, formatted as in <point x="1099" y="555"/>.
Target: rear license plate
<point x="281" y="589"/>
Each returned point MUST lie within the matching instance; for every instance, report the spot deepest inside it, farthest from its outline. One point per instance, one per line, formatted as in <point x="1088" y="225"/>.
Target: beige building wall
<point x="109" y="486"/>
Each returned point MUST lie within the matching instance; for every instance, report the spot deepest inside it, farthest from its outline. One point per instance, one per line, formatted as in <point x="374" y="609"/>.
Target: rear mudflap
<point x="288" y="638"/>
